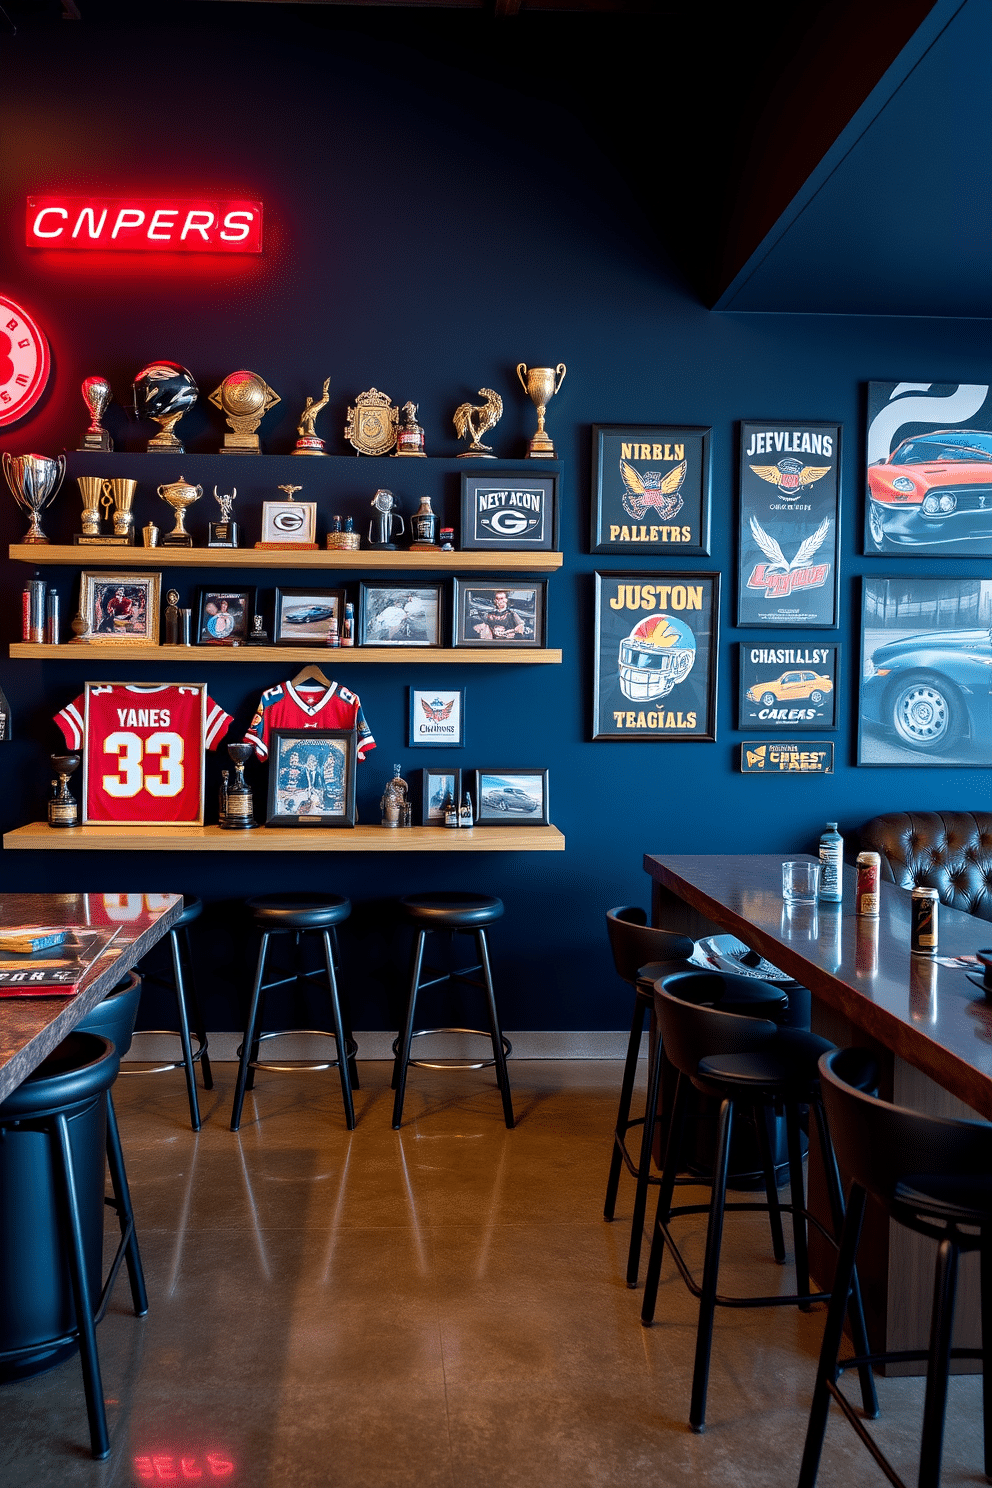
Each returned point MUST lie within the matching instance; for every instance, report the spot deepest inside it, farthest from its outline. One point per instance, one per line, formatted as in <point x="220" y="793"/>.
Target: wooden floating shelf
<point x="40" y="836"/>
<point x="98" y="654"/>
<point x="69" y="555"/>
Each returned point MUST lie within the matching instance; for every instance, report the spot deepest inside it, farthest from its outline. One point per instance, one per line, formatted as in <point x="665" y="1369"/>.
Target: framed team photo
<point x="120" y="607"/>
<point x="311" y="778"/>
<point x="437" y="787"/>
<point x="651" y="490"/>
<point x="289" y="524"/>
<point x="511" y="798"/>
<point x="789" y="524"/>
<point x="507" y="617"/>
<point x="516" y="512"/>
<point x="437" y="717"/>
<point x="391" y="615"/>
<point x="306" y="616"/>
<point x="223" y="616"/>
<point x="788" y="686"/>
<point x="655" y="660"/>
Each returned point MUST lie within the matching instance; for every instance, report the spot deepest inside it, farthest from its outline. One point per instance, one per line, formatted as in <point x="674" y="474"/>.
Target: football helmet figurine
<point x="655" y="657"/>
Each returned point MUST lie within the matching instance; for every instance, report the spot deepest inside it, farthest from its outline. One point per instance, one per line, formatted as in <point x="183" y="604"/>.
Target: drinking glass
<point x="800" y="882"/>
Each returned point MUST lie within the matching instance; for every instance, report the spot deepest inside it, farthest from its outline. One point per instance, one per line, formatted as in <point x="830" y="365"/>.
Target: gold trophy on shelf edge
<point x="541" y="384"/>
<point x="34" y="481"/>
<point x="95" y="491"/>
<point x="244" y="398"/>
<point x="469" y="419"/>
<point x="309" y="441"/>
<point x="96" y="395"/>
<point x="179" y="495"/>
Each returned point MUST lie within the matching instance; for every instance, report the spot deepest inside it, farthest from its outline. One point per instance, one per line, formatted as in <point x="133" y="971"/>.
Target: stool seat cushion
<point x="450" y="911"/>
<point x="192" y="910"/>
<point x="787" y="1064"/>
<point x="299" y="911"/>
<point x="962" y="1198"/>
<point x="114" y="1017"/>
<point x="79" y="1067"/>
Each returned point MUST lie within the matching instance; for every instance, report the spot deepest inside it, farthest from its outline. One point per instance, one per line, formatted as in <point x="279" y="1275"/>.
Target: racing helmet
<point x="655" y="657"/>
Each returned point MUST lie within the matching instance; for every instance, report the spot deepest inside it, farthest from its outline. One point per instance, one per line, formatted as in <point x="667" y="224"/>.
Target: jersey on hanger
<point x="143" y="749"/>
<point x="308" y="706"/>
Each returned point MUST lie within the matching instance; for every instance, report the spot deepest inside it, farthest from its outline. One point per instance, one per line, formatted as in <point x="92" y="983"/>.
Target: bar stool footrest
<point x="454" y="1063"/>
<point x="299" y="1066"/>
<point x="160" y="1069"/>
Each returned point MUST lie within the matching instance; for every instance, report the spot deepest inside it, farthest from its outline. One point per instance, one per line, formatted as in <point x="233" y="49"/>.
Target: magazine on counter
<point x="55" y="970"/>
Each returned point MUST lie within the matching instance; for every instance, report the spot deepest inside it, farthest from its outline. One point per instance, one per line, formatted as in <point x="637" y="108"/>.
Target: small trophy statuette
<point x="179" y="495"/>
<point x="410" y="435"/>
<point x="469" y="419"/>
<point x="63" y="809"/>
<point x="540" y="384"/>
<point x="163" y="392"/>
<point x="308" y="442"/>
<point x="424" y="526"/>
<point x="171" y="617"/>
<point x="259" y="636"/>
<point x="244" y="398"/>
<point x="96" y="395"/>
<point x="237" y="810"/>
<point x="223" y="534"/>
<point x="395" y="801"/>
<point x="34" y="480"/>
<point x="371" y="425"/>
<point x="383" y="528"/>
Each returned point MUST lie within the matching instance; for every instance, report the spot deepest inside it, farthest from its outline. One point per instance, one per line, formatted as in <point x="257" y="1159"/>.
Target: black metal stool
<point x="298" y="915"/>
<point x="457" y="913"/>
<point x="192" y="909"/>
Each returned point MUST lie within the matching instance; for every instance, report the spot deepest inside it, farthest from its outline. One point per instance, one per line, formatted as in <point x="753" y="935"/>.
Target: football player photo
<point x="312" y="778"/>
<point x="120" y="607"/>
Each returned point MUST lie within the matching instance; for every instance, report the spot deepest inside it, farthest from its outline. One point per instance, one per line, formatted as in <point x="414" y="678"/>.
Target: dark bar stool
<point x="186" y="999"/>
<point x="931" y="1174"/>
<point x="54" y="1130"/>
<point x="298" y="915"/>
<point x="458" y="914"/>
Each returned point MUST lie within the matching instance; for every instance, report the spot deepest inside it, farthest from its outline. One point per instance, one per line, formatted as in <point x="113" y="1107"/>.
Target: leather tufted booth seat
<point x="950" y="851"/>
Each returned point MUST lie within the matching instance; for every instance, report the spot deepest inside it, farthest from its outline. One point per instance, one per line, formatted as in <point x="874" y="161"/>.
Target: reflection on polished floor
<point x="441" y="1306"/>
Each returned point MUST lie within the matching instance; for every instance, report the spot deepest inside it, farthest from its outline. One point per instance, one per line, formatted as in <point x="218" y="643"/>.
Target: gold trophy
<point x="123" y="494"/>
<point x="244" y="398"/>
<point x="469" y="419"/>
<point x="308" y="442"/>
<point x="371" y="424"/>
<point x="96" y="395"/>
<point x="163" y="392"/>
<point x="540" y="384"/>
<point x="95" y="492"/>
<point x="179" y="495"/>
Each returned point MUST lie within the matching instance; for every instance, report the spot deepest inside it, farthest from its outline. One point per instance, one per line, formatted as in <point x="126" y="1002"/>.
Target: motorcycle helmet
<point x="658" y="654"/>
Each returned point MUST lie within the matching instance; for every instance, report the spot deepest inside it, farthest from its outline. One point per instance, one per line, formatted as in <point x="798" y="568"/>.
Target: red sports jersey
<point x="308" y="706"/>
<point x="143" y="749"/>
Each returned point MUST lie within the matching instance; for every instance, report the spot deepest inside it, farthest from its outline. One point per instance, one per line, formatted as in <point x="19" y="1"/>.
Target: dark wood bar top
<point x="31" y="1027"/>
<point x="930" y="1015"/>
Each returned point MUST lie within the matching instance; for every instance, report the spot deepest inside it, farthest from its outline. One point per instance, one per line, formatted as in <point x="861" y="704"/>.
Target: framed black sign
<point x="513" y="513"/>
<point x="656" y="653"/>
<point x="790" y="520"/>
<point x="788" y="687"/>
<point x="650" y="490"/>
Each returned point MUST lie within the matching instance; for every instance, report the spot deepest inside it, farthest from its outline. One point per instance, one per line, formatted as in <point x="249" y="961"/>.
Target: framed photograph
<point x="656" y="649"/>
<point x="511" y="798"/>
<point x="120" y="607"/>
<point x="788" y="687"/>
<point x="435" y="788"/>
<point x="390" y="615"/>
<point x="288" y="522"/>
<point x="790" y="525"/>
<point x="224" y="616"/>
<point x="311" y="778"/>
<point x="304" y="615"/>
<point x="650" y="490"/>
<point x="929" y="470"/>
<point x="503" y="616"/>
<point x="926" y="661"/>
<point x="518" y="513"/>
<point x="437" y="717"/>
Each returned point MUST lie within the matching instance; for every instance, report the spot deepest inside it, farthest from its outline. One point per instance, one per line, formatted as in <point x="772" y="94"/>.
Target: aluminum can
<point x="333" y="635"/>
<point x="33" y="610"/>
<point x="52" y="618"/>
<point x="869" y="872"/>
<point x="923" y="924"/>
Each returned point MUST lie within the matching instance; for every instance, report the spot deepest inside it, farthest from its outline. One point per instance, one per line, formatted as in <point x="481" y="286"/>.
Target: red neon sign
<point x="144" y="224"/>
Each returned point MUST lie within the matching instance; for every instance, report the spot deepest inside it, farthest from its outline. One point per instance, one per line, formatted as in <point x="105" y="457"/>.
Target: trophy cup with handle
<point x="95" y="492"/>
<point x="179" y="495"/>
<point x="34" y="480"/>
<point x="540" y="384"/>
<point x="96" y="395"/>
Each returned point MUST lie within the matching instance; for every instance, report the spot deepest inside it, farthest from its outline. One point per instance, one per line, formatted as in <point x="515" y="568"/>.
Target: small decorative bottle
<point x="348" y="628"/>
<point x="466" y="816"/>
<point x="424" y="524"/>
<point x="831" y="865"/>
<point x="450" y="811"/>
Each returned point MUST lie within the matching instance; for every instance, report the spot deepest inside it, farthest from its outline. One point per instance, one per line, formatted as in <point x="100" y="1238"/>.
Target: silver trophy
<point x="96" y="395"/>
<point x="34" y="480"/>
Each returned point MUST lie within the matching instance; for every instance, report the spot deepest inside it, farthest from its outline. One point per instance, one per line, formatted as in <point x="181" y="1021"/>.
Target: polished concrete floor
<point x="438" y="1308"/>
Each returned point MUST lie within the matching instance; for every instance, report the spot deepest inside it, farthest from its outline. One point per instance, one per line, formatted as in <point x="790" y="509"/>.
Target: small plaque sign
<point x="787" y="757"/>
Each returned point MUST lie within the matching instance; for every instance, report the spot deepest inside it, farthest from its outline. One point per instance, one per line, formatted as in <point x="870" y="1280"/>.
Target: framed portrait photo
<point x="311" y="778"/>
<point x="655" y="661"/>
<point x="120" y="607"/>
<point x="650" y="489"/>
<point x="289" y="523"/>
<point x="305" y="615"/>
<point x="511" y="798"/>
<point x="507" y="617"/>
<point x="224" y="616"/>
<point x="436" y="787"/>
<point x="437" y="717"/>
<point x="516" y="512"/>
<point x="788" y="686"/>
<point x="394" y="615"/>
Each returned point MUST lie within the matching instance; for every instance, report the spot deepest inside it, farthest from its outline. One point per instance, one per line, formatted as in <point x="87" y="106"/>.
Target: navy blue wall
<point x="425" y="233"/>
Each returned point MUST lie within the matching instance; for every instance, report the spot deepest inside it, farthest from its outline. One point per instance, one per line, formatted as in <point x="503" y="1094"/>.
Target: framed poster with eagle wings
<point x="437" y="717"/>
<point x="650" y="490"/>
<point x="790" y="524"/>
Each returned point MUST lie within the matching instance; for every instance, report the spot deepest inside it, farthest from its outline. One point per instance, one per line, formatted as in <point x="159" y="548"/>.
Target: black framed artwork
<point x="650" y="489"/>
<point x="400" y="615"/>
<point x="306" y="615"/>
<point x="789" y="524"/>
<point x="223" y="616"/>
<point x="655" y="659"/>
<point x="511" y="798"/>
<point x="500" y="616"/>
<point x="311" y="778"/>
<point x="436" y="788"/>
<point x="515" y="512"/>
<point x="788" y="686"/>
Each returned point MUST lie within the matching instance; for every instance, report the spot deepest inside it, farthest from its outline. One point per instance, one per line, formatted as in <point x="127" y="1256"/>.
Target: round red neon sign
<point x="25" y="362"/>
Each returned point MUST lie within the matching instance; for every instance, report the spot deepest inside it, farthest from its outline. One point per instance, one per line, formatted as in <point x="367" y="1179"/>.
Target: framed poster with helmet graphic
<point x="657" y="644"/>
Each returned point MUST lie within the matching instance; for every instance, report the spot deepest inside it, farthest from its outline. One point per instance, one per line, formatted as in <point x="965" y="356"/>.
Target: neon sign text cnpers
<point x="144" y="224"/>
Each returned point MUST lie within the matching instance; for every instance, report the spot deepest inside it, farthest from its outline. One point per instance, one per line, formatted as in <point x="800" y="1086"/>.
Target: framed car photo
<point x="437" y="717"/>
<point x="788" y="686"/>
<point x="223" y="616"/>
<point x="651" y="489"/>
<point x="120" y="607"/>
<point x="511" y="798"/>
<point x="390" y="615"/>
<point x="505" y="617"/>
<point x="307" y="615"/>
<point x="515" y="513"/>
<point x="311" y="778"/>
<point x="437" y="787"/>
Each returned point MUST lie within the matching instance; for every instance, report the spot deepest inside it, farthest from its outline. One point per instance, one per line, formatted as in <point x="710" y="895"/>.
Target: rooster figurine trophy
<point x="478" y="421"/>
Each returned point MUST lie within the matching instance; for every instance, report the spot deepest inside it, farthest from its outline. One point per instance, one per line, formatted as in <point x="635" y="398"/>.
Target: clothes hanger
<point x="311" y="674"/>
